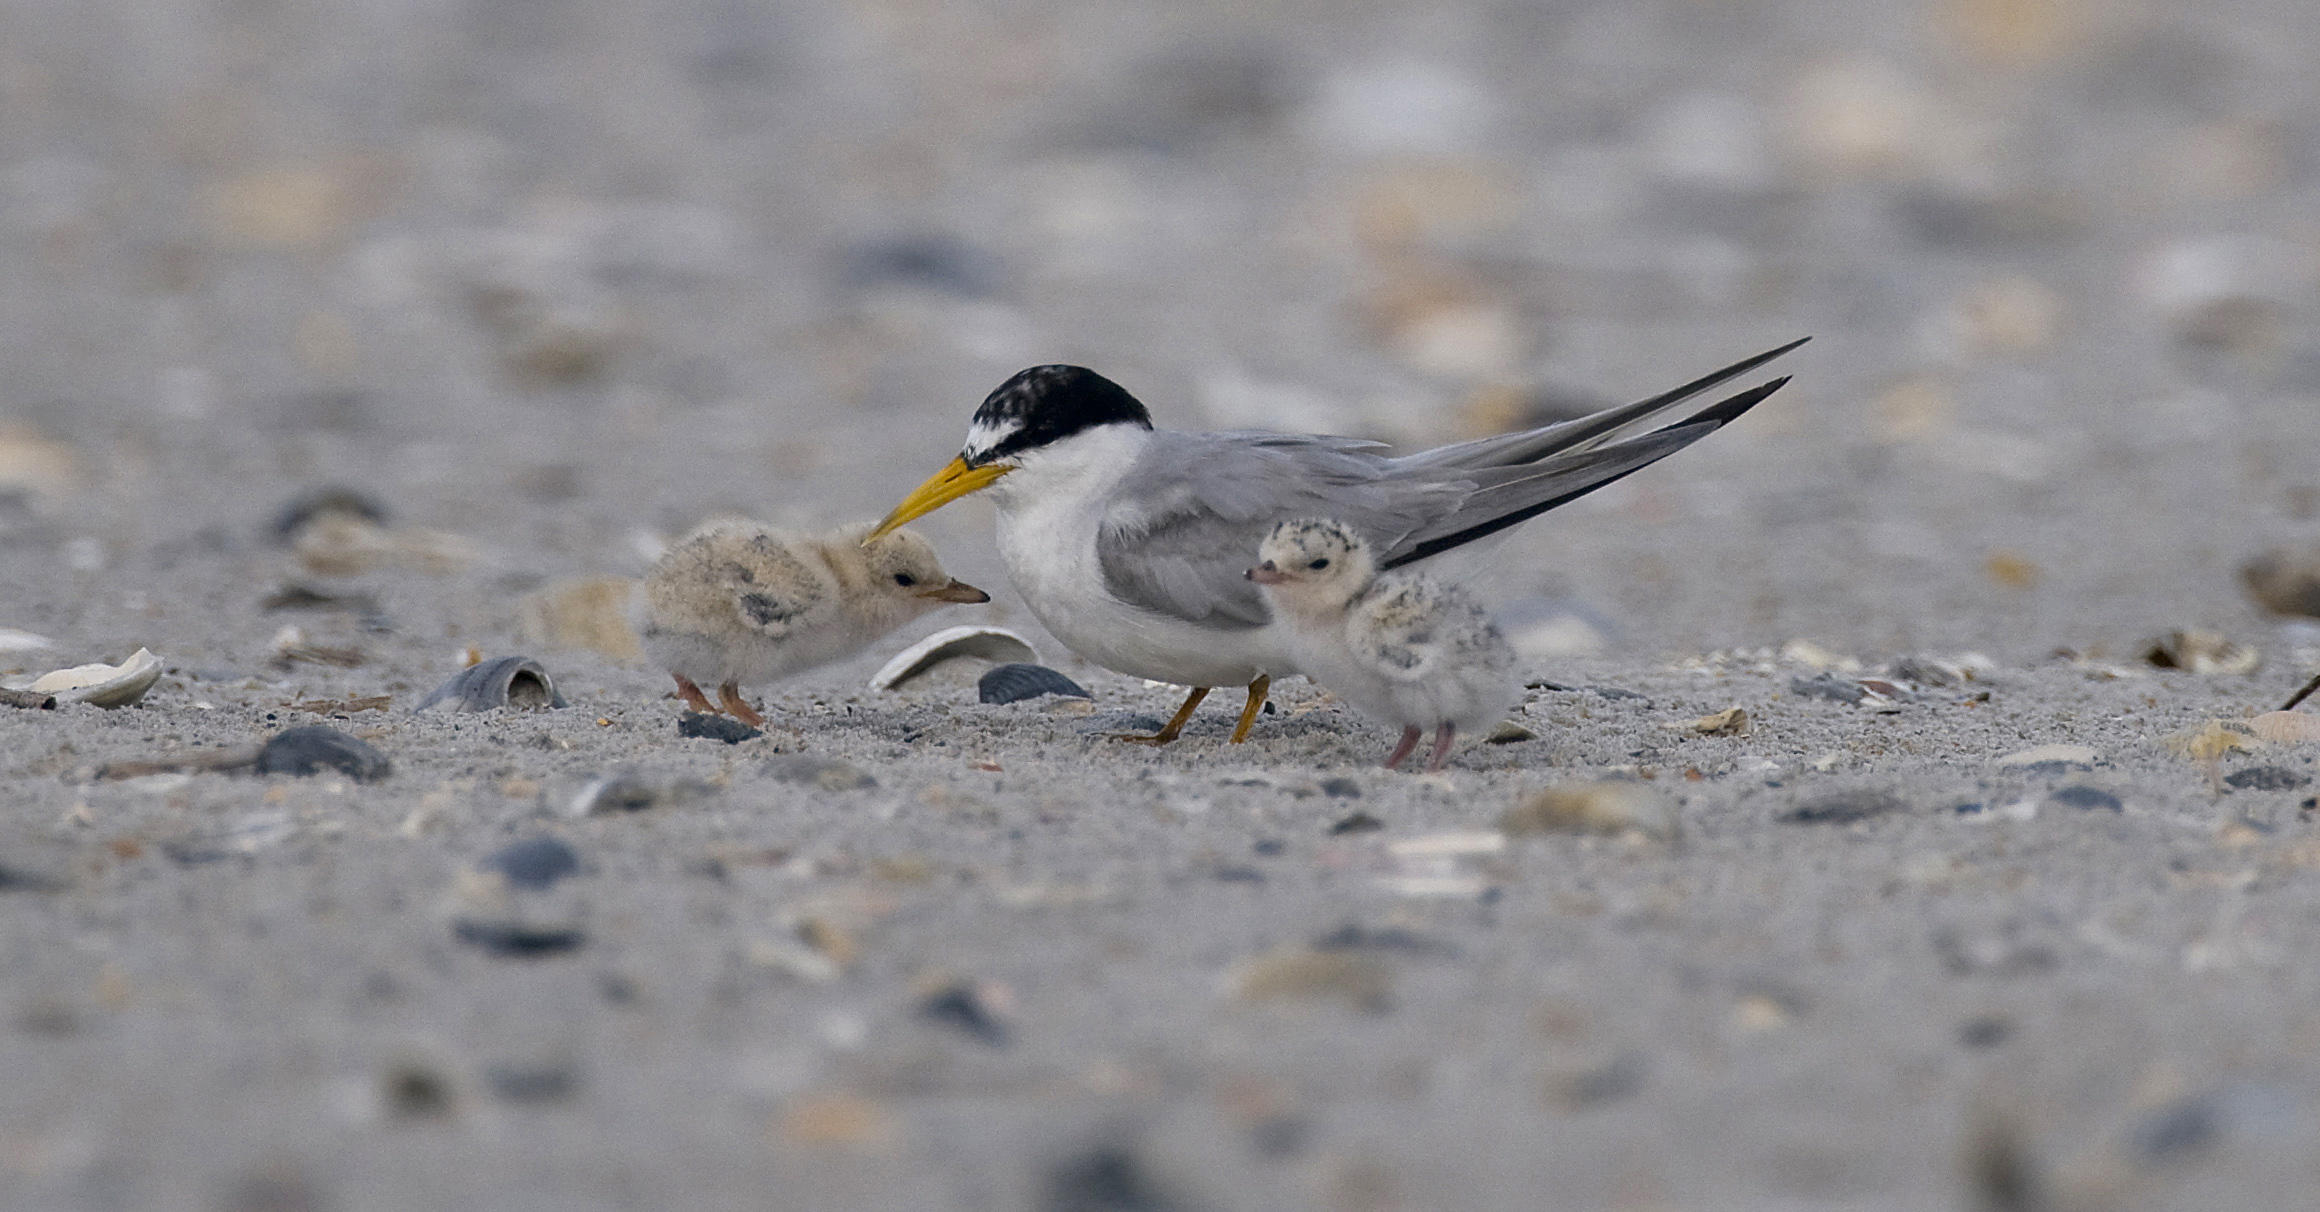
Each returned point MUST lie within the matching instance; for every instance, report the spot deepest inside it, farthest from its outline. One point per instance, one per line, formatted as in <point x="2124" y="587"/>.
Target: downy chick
<point x="1407" y="651"/>
<point x="738" y="603"/>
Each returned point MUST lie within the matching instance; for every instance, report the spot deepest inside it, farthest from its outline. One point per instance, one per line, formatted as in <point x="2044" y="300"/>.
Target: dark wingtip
<point x="1708" y="420"/>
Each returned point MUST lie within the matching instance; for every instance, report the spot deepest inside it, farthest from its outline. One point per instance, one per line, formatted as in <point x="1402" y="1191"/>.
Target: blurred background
<point x="562" y="277"/>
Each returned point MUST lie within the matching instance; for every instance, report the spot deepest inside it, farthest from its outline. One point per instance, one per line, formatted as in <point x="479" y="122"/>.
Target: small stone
<point x="1105" y="1179"/>
<point x="1731" y="721"/>
<point x="1828" y="686"/>
<point x="836" y="1118"/>
<point x="316" y="748"/>
<point x="1510" y="733"/>
<point x="304" y="509"/>
<point x="1359" y="822"/>
<point x="2210" y="741"/>
<point x="1354" y="937"/>
<point x="2010" y="569"/>
<point x="1843" y="808"/>
<point x="828" y="774"/>
<point x="2091" y="799"/>
<point x="2266" y="778"/>
<point x="2202" y="652"/>
<point x="1616" y="1079"/>
<point x="1613" y="808"/>
<point x="629" y="791"/>
<point x="1987" y="1031"/>
<point x="2057" y="756"/>
<point x="2287" y="727"/>
<point x="1017" y="681"/>
<point x="534" y="863"/>
<point x="715" y="727"/>
<point x="531" y="1083"/>
<point x="1339" y="787"/>
<point x="1360" y="982"/>
<point x="965" y="1008"/>
<point x="517" y="940"/>
<point x="2285" y="582"/>
<point x="411" y="1090"/>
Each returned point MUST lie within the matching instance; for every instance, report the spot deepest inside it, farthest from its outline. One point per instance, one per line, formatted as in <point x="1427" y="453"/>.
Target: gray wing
<point x="1183" y="527"/>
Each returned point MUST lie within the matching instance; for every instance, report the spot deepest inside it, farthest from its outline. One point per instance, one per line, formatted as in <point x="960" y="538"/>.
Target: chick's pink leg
<point x="1442" y="738"/>
<point x="1409" y="741"/>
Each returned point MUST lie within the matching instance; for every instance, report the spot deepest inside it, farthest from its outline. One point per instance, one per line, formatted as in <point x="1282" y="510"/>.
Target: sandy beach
<point x="1973" y="904"/>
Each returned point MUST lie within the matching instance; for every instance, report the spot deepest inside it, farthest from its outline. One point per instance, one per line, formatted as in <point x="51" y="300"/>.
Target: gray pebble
<point x="316" y="748"/>
<point x="534" y="862"/>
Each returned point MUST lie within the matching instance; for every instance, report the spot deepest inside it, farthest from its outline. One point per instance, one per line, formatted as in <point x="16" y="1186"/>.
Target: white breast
<point x="1051" y="509"/>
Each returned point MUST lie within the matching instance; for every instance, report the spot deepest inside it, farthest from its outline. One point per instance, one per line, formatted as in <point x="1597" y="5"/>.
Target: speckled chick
<point x="1405" y="650"/>
<point x="737" y="603"/>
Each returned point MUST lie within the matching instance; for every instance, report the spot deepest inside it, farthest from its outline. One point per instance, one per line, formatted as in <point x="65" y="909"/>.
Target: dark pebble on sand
<point x="1106" y="1179"/>
<point x="534" y="862"/>
<point x="516" y="940"/>
<point x="1828" y="686"/>
<point x="1359" y="822"/>
<point x="1843" y="808"/>
<point x="715" y="727"/>
<point x="963" y="1009"/>
<point x="1341" y="788"/>
<point x="531" y="1083"/>
<point x="2266" y="778"/>
<point x="2091" y="799"/>
<point x="1015" y="682"/>
<point x="316" y="748"/>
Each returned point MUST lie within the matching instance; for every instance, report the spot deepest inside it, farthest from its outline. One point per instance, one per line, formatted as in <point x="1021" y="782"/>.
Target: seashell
<point x="15" y="640"/>
<point x="303" y="509"/>
<point x="100" y="684"/>
<point x="1016" y="681"/>
<point x="316" y="748"/>
<point x="515" y="681"/>
<point x="2203" y="652"/>
<point x="950" y="644"/>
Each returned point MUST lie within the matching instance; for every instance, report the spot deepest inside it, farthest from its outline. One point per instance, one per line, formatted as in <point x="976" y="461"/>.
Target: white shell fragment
<point x="15" y="640"/>
<point x="101" y="684"/>
<point x="996" y="644"/>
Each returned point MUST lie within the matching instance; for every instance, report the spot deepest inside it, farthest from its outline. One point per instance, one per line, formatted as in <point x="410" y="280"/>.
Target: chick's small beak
<point x="954" y="591"/>
<point x="955" y="480"/>
<point x="1266" y="574"/>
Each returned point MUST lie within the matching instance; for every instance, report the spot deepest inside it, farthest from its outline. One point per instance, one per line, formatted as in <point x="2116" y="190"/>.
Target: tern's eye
<point x="905" y="580"/>
<point x="1319" y="564"/>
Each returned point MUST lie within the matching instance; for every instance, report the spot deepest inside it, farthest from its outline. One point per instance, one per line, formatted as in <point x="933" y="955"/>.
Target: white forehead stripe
<point x="983" y="435"/>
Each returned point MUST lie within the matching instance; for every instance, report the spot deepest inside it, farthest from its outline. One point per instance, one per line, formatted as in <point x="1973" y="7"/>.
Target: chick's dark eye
<point x="1319" y="564"/>
<point x="905" y="580"/>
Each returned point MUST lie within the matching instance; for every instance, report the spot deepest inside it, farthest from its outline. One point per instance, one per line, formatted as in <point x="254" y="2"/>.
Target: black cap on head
<point x="1044" y="404"/>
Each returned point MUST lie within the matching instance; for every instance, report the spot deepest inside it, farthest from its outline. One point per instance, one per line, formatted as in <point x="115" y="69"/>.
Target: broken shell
<point x="2201" y="652"/>
<point x="2287" y="727"/>
<point x="950" y="644"/>
<point x="1611" y="808"/>
<point x="517" y="682"/>
<point x="307" y="507"/>
<point x="1017" y="681"/>
<point x="100" y="684"/>
<point x="2284" y="582"/>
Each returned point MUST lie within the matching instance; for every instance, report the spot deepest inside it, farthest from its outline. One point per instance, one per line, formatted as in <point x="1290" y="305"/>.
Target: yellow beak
<point x="955" y="480"/>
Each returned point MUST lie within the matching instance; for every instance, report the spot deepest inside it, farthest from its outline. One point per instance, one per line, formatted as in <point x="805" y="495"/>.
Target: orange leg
<point x="1175" y="726"/>
<point x="1257" y="691"/>
<point x="693" y="697"/>
<point x="738" y="707"/>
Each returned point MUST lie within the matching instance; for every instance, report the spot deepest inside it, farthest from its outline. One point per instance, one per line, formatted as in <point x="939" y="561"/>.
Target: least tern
<point x="737" y="603"/>
<point x="1405" y="649"/>
<point x="1129" y="542"/>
